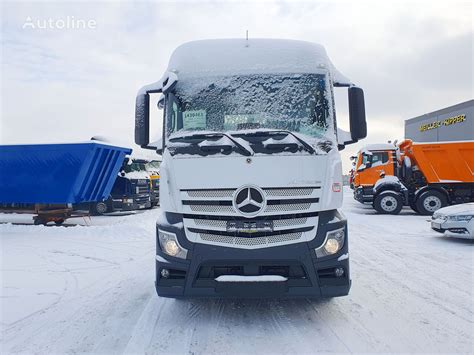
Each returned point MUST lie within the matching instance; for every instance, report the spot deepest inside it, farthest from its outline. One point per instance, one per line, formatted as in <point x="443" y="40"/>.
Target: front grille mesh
<point x="278" y="223"/>
<point x="289" y="222"/>
<point x="211" y="223"/>
<point x="228" y="193"/>
<point x="289" y="192"/>
<point x="212" y="209"/>
<point x="288" y="207"/>
<point x="209" y="193"/>
<point x="224" y="239"/>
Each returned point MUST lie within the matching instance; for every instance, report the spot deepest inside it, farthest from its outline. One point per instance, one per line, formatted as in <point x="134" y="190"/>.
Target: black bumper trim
<point x="192" y="284"/>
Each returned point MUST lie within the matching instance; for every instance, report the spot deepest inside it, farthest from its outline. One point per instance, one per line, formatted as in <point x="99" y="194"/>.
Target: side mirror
<point x="142" y="119"/>
<point x="357" y="118"/>
<point x="142" y="123"/>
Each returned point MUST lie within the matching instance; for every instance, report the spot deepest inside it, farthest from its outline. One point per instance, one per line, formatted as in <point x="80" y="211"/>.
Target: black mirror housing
<point x="142" y="119"/>
<point x="357" y="118"/>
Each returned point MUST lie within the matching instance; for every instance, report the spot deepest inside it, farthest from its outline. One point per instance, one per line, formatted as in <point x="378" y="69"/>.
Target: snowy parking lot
<point x="91" y="289"/>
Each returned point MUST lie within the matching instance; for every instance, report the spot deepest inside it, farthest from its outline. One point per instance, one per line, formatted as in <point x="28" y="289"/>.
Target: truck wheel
<point x="430" y="201"/>
<point x="39" y="221"/>
<point x="388" y="202"/>
<point x="100" y="208"/>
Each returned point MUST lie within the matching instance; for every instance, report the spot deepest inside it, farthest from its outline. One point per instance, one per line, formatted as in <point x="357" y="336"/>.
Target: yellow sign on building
<point x="446" y="122"/>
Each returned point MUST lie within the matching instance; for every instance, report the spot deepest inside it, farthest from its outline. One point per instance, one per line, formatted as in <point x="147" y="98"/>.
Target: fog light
<point x="165" y="273"/>
<point x="339" y="272"/>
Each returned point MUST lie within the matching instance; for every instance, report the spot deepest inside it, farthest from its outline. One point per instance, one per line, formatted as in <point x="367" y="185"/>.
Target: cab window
<point x="379" y="157"/>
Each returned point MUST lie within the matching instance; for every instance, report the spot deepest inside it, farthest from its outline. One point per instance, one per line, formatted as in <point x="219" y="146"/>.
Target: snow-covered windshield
<point x="134" y="166"/>
<point x="291" y="102"/>
<point x="154" y="165"/>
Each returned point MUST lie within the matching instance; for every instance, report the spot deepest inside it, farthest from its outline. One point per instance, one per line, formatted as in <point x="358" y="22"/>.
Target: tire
<point x="430" y="201"/>
<point x="39" y="221"/>
<point x="59" y="222"/>
<point x="100" y="208"/>
<point x="388" y="202"/>
<point x="413" y="206"/>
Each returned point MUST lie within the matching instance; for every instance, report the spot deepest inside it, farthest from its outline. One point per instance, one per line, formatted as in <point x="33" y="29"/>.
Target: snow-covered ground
<point x="90" y="289"/>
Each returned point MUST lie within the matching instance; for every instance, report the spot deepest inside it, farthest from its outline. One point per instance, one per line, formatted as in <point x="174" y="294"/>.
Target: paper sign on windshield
<point x="194" y="119"/>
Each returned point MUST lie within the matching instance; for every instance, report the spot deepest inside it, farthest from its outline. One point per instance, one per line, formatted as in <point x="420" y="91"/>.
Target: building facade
<point x="453" y="123"/>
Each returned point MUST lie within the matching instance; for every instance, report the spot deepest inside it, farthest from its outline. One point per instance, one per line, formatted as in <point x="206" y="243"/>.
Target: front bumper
<point x="456" y="229"/>
<point x="139" y="201"/>
<point x="364" y="194"/>
<point x="301" y="273"/>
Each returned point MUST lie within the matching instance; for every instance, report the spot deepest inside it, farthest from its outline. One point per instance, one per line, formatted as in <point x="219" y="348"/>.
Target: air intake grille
<point x="289" y="216"/>
<point x="209" y="193"/>
<point x="288" y="207"/>
<point x="289" y="192"/>
<point x="212" y="209"/>
<point x="224" y="239"/>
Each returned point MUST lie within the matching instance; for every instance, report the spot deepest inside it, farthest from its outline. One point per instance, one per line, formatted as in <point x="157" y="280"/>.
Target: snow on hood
<point x="464" y="208"/>
<point x="137" y="175"/>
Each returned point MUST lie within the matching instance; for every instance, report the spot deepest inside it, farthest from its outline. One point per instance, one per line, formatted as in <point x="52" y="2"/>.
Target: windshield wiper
<point x="267" y="132"/>
<point x="246" y="150"/>
<point x="305" y="144"/>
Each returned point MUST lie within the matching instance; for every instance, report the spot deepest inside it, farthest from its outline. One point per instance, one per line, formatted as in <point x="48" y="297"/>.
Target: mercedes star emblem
<point x="249" y="200"/>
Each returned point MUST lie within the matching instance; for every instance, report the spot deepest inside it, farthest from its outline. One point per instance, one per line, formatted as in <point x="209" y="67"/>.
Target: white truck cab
<point x="251" y="177"/>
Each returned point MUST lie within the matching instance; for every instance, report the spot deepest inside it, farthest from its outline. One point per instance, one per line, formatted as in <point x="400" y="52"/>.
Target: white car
<point x="455" y="221"/>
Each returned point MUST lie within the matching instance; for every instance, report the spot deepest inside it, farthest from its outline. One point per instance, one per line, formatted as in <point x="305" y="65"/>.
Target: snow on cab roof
<point x="378" y="146"/>
<point x="255" y="56"/>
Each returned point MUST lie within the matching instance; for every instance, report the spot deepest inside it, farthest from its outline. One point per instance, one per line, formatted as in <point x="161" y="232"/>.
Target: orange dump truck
<point x="425" y="176"/>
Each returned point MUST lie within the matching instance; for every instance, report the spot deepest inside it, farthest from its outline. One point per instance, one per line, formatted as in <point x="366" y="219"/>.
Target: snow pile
<point x="137" y="175"/>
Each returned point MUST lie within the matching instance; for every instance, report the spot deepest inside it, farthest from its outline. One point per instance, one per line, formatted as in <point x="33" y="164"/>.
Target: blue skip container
<point x="58" y="173"/>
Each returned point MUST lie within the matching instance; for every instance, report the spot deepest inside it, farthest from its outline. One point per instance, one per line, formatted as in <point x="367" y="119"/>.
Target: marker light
<point x="169" y="245"/>
<point x="336" y="187"/>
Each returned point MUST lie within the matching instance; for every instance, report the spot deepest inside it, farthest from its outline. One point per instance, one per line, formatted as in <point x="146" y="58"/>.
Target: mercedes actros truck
<point x="251" y="177"/>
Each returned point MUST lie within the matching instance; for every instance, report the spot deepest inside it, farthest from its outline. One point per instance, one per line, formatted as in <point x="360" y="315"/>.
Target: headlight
<point x="460" y="218"/>
<point x="127" y="200"/>
<point x="169" y="245"/>
<point x="438" y="215"/>
<point x="332" y="244"/>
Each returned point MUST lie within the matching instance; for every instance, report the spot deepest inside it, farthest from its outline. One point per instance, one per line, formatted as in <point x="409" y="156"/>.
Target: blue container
<point x="58" y="173"/>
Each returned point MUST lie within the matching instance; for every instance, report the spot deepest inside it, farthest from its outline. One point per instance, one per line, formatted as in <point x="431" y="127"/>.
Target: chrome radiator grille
<point x="289" y="215"/>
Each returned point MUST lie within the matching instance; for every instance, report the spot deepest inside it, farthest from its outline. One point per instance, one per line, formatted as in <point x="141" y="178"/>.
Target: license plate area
<point x="249" y="227"/>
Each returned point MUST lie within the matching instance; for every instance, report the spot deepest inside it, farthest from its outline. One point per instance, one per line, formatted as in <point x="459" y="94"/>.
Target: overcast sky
<point x="67" y="84"/>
